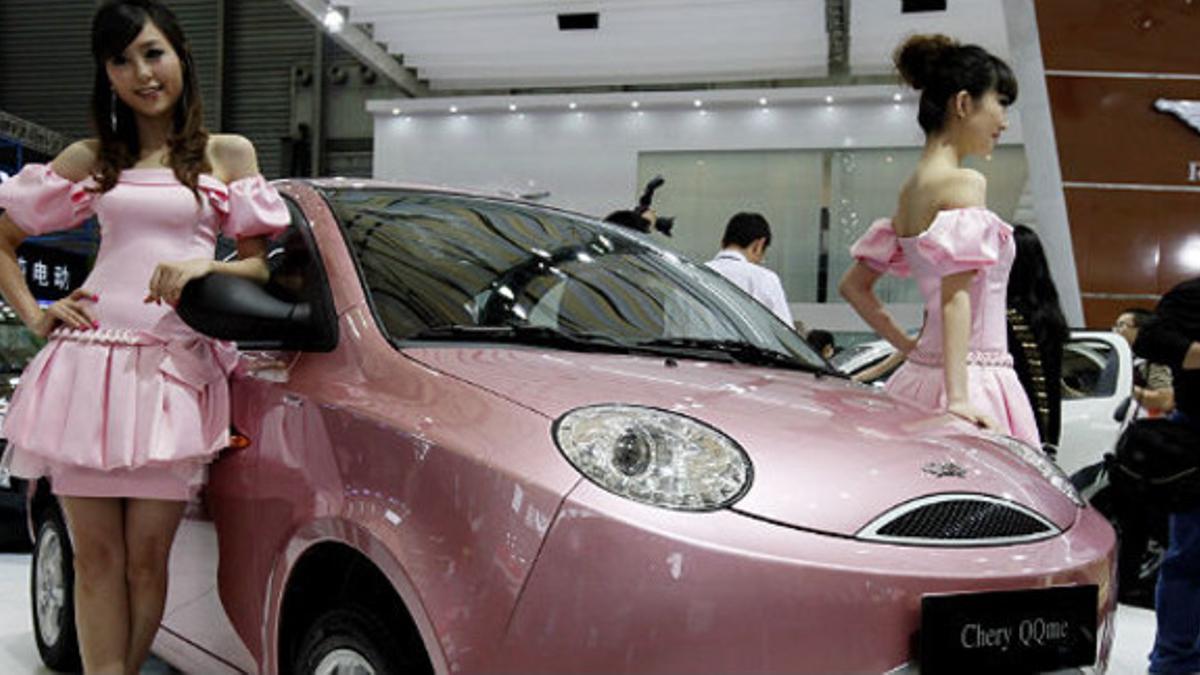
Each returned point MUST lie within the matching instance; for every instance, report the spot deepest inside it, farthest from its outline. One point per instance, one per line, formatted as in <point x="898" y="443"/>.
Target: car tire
<point x="52" y="592"/>
<point x="351" y="639"/>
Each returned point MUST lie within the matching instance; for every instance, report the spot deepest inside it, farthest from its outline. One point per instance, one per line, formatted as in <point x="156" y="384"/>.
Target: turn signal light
<point x="238" y="442"/>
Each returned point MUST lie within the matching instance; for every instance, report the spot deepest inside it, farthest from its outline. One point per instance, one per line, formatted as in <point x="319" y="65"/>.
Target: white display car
<point x="1097" y="377"/>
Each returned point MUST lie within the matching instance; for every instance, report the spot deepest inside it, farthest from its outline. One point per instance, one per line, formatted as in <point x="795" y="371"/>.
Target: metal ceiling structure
<point x="476" y="46"/>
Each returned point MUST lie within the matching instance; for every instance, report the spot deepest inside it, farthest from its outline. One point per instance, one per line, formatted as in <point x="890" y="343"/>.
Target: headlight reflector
<point x="1045" y="466"/>
<point x="655" y="457"/>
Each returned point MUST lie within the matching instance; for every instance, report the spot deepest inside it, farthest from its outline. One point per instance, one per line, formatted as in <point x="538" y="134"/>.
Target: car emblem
<point x="1188" y="111"/>
<point x="946" y="469"/>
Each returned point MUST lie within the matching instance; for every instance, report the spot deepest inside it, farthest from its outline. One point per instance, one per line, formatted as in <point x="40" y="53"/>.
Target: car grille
<point x="959" y="520"/>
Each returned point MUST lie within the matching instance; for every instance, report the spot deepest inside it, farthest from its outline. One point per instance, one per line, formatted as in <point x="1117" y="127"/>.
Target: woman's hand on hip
<point x="169" y="278"/>
<point x="69" y="311"/>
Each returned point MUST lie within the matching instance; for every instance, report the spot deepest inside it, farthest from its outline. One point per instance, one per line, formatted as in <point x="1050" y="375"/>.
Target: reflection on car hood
<point x="828" y="455"/>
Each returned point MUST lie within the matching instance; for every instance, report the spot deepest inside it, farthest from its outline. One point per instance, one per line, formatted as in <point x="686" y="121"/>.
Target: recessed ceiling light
<point x="453" y="109"/>
<point x="333" y="20"/>
<point x="897" y="97"/>
<point x="395" y="111"/>
<point x="829" y="99"/>
<point x="697" y="103"/>
<point x="762" y="101"/>
<point x="572" y="105"/>
<point x="635" y="105"/>
<point x="512" y="107"/>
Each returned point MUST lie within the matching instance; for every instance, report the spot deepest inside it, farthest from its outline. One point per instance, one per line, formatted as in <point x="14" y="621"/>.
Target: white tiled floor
<point x="18" y="655"/>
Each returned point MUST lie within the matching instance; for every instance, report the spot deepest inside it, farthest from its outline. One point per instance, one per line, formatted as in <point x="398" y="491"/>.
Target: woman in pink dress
<point x="126" y="405"/>
<point x="959" y="252"/>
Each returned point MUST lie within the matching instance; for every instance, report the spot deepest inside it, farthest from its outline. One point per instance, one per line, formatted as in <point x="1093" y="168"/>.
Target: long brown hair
<point x="116" y="24"/>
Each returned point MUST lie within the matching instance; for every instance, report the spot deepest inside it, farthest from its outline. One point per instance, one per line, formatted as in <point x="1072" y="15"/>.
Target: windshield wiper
<point x="744" y="352"/>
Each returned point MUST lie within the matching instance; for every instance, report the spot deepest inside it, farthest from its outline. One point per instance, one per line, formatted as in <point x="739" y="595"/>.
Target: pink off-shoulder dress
<point x="138" y="406"/>
<point x="957" y="241"/>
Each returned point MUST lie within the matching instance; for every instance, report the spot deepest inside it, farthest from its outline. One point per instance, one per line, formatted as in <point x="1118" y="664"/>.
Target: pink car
<point x="489" y="436"/>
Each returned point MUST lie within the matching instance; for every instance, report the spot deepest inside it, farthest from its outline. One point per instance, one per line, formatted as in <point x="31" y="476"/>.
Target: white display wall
<point x="581" y="152"/>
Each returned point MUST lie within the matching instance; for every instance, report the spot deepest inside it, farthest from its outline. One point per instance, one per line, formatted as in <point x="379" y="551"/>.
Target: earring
<point x="112" y="115"/>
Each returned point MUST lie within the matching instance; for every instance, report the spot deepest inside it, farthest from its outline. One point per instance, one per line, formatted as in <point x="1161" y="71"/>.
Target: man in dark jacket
<point x="1172" y="338"/>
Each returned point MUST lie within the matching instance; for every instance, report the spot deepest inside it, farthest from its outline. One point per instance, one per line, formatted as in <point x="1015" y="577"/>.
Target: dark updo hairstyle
<point x="939" y="67"/>
<point x="115" y="25"/>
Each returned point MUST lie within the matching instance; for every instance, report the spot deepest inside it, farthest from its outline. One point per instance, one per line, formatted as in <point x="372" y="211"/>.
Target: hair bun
<point x="918" y="56"/>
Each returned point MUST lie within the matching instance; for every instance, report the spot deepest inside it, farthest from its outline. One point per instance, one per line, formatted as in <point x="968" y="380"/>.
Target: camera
<point x="662" y="223"/>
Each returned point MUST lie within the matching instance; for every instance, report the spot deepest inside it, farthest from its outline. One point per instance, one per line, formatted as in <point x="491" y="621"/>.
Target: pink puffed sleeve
<point x="250" y="207"/>
<point x="40" y="201"/>
<point x="963" y="239"/>
<point x="879" y="249"/>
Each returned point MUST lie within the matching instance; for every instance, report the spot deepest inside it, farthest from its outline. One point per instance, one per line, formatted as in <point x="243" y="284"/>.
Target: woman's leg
<point x="101" y="598"/>
<point x="150" y="526"/>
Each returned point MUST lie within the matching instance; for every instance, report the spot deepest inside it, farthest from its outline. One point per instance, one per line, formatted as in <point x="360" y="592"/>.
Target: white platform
<point x="18" y="654"/>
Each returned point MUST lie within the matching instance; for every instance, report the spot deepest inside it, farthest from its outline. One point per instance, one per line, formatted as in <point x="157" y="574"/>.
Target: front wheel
<point x="52" y="591"/>
<point x="349" y="641"/>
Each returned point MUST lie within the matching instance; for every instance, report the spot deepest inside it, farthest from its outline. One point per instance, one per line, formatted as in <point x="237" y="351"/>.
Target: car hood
<point x="829" y="455"/>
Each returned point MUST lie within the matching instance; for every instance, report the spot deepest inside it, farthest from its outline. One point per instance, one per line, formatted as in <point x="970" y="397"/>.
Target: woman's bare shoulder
<point x="77" y="161"/>
<point x="231" y="156"/>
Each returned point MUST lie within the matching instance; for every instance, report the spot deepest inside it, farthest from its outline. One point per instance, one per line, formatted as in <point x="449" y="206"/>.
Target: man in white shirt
<point x="743" y="248"/>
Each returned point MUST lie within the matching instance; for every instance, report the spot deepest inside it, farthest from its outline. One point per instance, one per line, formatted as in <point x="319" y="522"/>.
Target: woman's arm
<point x="956" y="334"/>
<point x="75" y="163"/>
<point x="858" y="288"/>
<point x="233" y="158"/>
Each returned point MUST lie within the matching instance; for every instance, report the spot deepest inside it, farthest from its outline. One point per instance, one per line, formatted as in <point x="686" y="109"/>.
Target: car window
<point x="1090" y="369"/>
<point x="435" y="260"/>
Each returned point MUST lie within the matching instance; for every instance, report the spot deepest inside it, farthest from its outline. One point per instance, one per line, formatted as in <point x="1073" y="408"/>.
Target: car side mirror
<point x="226" y="307"/>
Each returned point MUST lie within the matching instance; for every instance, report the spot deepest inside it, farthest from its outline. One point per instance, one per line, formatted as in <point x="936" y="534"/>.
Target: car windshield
<point x="471" y="268"/>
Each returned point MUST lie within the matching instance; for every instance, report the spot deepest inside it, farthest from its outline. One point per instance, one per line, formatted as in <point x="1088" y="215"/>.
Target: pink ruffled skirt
<point x="121" y="413"/>
<point x="992" y="385"/>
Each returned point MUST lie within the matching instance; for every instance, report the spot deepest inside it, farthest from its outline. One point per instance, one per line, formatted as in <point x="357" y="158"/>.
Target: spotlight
<point x="333" y="20"/>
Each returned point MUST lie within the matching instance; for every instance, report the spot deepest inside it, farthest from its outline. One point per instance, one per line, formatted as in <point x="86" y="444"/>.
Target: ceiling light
<point x="697" y="103"/>
<point x="333" y="20"/>
<point x="897" y="97"/>
<point x="635" y="105"/>
<point x="762" y="101"/>
<point x="395" y="111"/>
<point x="512" y="107"/>
<point x="829" y="100"/>
<point x="453" y="109"/>
<point x="572" y="105"/>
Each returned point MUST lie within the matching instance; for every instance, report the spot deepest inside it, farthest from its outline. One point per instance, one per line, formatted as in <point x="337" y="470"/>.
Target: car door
<point x="217" y="574"/>
<point x="1097" y="376"/>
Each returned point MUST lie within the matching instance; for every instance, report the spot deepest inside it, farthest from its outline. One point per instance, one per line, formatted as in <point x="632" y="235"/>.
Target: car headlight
<point x="1045" y="466"/>
<point x="654" y="456"/>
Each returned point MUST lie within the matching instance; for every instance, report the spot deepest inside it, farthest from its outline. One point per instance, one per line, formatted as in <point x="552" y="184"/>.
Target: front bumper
<point x="622" y="587"/>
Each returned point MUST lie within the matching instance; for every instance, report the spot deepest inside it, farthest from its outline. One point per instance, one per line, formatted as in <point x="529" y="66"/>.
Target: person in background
<point x="1037" y="331"/>
<point x="640" y="222"/>
<point x="822" y="341"/>
<point x="743" y="248"/>
<point x="1152" y="382"/>
<point x="943" y="234"/>
<point x="1172" y="337"/>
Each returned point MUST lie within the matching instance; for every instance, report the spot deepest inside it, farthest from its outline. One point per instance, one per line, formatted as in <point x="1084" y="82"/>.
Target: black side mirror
<point x="226" y="307"/>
